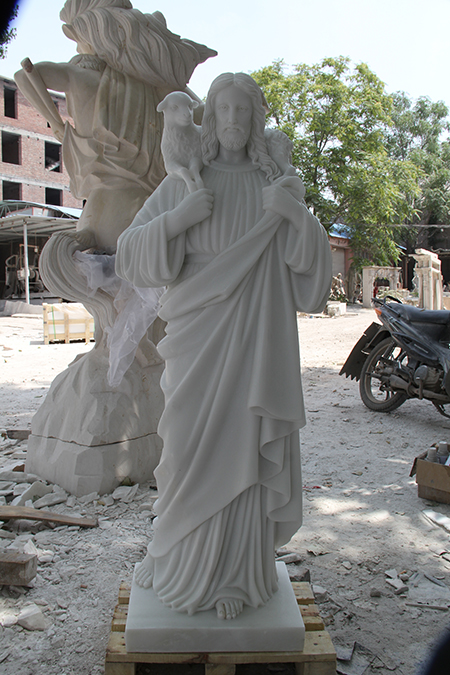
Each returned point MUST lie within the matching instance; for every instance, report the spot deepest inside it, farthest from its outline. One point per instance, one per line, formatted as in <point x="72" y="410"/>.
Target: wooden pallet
<point x="61" y="325"/>
<point x="317" y="658"/>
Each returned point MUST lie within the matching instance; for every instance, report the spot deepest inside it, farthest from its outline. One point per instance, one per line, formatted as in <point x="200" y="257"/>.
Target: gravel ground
<point x="362" y="517"/>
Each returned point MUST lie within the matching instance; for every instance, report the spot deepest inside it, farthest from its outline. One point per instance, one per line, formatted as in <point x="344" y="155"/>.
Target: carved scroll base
<point x="88" y="436"/>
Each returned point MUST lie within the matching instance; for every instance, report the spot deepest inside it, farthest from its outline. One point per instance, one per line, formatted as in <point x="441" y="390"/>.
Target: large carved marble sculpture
<point x="239" y="257"/>
<point x="96" y="429"/>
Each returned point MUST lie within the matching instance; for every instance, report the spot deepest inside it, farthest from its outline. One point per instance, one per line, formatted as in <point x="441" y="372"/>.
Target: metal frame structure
<point x="20" y="219"/>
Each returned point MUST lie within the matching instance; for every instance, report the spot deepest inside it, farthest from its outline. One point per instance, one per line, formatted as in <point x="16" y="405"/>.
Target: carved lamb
<point x="180" y="144"/>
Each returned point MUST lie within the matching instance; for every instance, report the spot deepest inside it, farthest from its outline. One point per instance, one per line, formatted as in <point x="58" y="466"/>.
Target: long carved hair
<point x="256" y="145"/>
<point x="134" y="43"/>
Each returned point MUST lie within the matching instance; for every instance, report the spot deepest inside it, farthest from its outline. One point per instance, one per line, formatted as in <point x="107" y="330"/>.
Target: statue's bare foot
<point x="229" y="608"/>
<point x="144" y="572"/>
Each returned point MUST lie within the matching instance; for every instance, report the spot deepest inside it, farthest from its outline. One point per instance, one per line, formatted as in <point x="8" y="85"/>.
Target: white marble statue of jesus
<point x="239" y="258"/>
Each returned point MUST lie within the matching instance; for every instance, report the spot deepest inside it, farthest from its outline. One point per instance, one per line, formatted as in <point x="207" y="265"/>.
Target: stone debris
<point x="397" y="584"/>
<point x="320" y="593"/>
<point x="437" y="519"/>
<point x="18" y="477"/>
<point x="291" y="558"/>
<point x="299" y="574"/>
<point x="88" y="499"/>
<point x="125" y="493"/>
<point x="106" y="500"/>
<point x="8" y="619"/>
<point x="17" y="568"/>
<point x="32" y="492"/>
<point x="32" y="618"/>
<point x="360" y="659"/>
<point x="50" y="499"/>
<point x="43" y="556"/>
<point x="149" y="506"/>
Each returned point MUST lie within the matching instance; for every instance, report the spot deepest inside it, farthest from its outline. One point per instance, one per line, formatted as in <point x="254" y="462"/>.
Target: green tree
<point x="416" y="136"/>
<point x="336" y="115"/>
<point x="8" y="34"/>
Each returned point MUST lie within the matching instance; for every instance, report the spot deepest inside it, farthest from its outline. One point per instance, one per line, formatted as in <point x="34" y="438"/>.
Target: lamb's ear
<point x="194" y="105"/>
<point x="160" y="107"/>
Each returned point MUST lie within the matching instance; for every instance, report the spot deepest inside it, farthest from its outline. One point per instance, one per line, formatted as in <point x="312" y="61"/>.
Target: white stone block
<point x="277" y="626"/>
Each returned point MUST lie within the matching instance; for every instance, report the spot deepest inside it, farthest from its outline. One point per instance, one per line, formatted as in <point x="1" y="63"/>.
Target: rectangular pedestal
<point x="277" y="626"/>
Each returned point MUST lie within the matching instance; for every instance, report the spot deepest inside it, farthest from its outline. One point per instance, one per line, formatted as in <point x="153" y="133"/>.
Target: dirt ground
<point x="362" y="517"/>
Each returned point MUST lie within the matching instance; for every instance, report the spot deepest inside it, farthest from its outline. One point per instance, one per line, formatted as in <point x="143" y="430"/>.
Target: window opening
<point x="11" y="190"/>
<point x="10" y="148"/>
<point x="9" y="96"/>
<point x="53" y="156"/>
<point x="53" y="196"/>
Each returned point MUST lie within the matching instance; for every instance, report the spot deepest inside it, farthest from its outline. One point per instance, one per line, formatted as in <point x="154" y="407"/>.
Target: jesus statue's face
<point x="233" y="112"/>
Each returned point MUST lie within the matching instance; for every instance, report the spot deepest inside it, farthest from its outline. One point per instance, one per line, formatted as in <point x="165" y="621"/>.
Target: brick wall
<point x="30" y="130"/>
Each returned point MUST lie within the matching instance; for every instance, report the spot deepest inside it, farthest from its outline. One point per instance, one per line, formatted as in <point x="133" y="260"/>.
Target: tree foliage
<point x="337" y="116"/>
<point x="415" y="135"/>
<point x="7" y="34"/>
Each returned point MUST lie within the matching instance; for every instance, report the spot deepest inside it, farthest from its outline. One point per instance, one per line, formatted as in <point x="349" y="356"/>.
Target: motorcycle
<point x="406" y="356"/>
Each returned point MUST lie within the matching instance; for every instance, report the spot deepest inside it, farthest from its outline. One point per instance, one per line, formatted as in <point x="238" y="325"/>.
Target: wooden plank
<point x="311" y="617"/>
<point x="221" y="669"/>
<point x="303" y="592"/>
<point x="315" y="668"/>
<point x="66" y="329"/>
<point x="28" y="513"/>
<point x="317" y="658"/>
<point x="318" y="648"/>
<point x="120" y="668"/>
<point x="119" y="618"/>
<point x="124" y="593"/>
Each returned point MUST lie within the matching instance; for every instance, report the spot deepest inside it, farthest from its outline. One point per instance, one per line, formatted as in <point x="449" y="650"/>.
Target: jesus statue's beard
<point x="233" y="138"/>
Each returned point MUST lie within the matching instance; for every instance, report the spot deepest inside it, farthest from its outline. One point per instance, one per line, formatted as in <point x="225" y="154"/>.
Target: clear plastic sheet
<point x="136" y="309"/>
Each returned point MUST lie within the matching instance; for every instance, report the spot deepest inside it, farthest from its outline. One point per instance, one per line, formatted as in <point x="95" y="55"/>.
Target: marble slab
<point x="153" y="628"/>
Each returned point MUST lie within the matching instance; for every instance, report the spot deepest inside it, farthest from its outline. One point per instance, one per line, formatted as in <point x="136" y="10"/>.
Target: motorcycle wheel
<point x="372" y="391"/>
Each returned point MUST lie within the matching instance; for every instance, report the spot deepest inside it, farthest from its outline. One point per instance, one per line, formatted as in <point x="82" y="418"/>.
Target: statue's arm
<point x="34" y="82"/>
<point x="284" y="197"/>
<point x="55" y="76"/>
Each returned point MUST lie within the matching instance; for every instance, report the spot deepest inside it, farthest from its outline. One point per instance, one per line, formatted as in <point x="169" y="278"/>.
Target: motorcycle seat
<point x="420" y="315"/>
<point x="435" y="322"/>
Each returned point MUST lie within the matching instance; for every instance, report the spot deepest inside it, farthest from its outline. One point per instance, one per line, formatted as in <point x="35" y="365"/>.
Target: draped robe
<point x="124" y="149"/>
<point x="229" y="479"/>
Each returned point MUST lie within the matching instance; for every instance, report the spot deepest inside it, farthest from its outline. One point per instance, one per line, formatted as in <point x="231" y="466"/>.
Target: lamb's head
<point x="178" y="108"/>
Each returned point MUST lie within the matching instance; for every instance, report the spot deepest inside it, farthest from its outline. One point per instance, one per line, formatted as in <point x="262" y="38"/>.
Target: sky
<point x="405" y="42"/>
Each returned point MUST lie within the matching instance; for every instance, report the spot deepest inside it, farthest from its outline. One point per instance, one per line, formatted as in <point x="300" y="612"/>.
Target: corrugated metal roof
<point x="41" y="219"/>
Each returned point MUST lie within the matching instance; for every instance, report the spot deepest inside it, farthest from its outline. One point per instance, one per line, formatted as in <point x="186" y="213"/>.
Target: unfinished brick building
<point x="31" y="166"/>
<point x="31" y="171"/>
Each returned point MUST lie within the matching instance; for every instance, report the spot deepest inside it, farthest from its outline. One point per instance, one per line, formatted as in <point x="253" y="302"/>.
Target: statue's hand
<point x="280" y="201"/>
<point x="194" y="208"/>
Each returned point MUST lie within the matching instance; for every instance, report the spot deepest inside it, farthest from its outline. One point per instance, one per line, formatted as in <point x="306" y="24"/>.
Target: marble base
<point x="82" y="469"/>
<point x="153" y="628"/>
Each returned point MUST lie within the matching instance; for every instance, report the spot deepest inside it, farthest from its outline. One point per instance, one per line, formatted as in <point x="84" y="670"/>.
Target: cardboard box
<point x="433" y="479"/>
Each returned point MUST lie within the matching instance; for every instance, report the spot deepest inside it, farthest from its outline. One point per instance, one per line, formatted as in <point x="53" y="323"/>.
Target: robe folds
<point x="229" y="479"/>
<point x="124" y="150"/>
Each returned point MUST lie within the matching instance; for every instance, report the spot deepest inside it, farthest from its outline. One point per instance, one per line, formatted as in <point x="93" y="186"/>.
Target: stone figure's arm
<point x="194" y="208"/>
<point x="150" y="252"/>
<point x="54" y="75"/>
<point x="307" y="250"/>
<point x="34" y="82"/>
<point x="280" y="199"/>
<point x="307" y="253"/>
